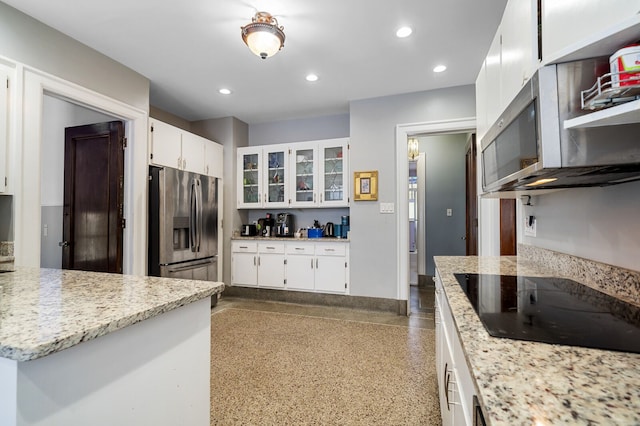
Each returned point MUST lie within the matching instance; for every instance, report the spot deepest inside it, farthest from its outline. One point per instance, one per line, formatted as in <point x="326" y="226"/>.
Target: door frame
<point x="33" y="85"/>
<point x="403" y="131"/>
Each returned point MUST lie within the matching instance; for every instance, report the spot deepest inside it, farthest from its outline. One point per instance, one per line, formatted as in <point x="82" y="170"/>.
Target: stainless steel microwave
<point x="528" y="147"/>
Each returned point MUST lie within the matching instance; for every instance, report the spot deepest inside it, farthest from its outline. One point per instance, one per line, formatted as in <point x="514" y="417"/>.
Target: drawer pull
<point x="271" y="248"/>
<point x="328" y="249"/>
<point x="244" y="247"/>
<point x="299" y="248"/>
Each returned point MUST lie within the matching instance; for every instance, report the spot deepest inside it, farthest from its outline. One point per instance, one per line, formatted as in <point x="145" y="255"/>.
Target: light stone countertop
<point x="529" y="383"/>
<point x="43" y="311"/>
<point x="292" y="239"/>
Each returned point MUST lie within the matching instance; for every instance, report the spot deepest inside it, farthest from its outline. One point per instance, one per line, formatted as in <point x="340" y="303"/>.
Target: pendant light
<point x="263" y="36"/>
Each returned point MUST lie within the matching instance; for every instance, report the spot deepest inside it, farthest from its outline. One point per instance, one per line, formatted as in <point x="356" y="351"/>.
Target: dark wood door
<point x="472" y="198"/>
<point x="508" y="239"/>
<point x="93" y="197"/>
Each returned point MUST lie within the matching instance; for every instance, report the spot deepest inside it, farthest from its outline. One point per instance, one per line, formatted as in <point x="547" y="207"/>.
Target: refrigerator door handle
<point x="199" y="208"/>
<point x="192" y="216"/>
<point x="193" y="265"/>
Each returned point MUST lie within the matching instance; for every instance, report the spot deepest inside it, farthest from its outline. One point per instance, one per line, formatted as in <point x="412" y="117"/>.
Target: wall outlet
<point x="530" y="226"/>
<point x="449" y="212"/>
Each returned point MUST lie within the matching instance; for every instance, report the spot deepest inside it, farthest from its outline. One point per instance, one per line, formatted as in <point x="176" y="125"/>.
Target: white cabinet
<point x="455" y="385"/>
<point x="173" y="147"/>
<point x="263" y="177"/>
<point x="271" y="264"/>
<point x="331" y="268"/>
<point x="244" y="263"/>
<point x="297" y="175"/>
<point x="292" y="265"/>
<point x="579" y="29"/>
<point x="510" y="62"/>
<point x="301" y="266"/>
<point x="4" y="128"/>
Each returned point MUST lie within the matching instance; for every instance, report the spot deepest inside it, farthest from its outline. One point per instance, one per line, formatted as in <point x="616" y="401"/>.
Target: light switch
<point x="449" y="212"/>
<point x="387" y="208"/>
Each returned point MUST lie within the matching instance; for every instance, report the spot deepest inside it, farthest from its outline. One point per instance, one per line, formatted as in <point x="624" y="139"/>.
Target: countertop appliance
<point x="285" y="225"/>
<point x="552" y="310"/>
<point x="529" y="148"/>
<point x="183" y="224"/>
<point x="329" y="230"/>
<point x="249" y="230"/>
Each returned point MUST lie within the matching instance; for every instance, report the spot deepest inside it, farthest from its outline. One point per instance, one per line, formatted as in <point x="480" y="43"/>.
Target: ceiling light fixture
<point x="439" y="68"/>
<point x="413" y="148"/>
<point x="224" y="91"/>
<point x="311" y="77"/>
<point x="263" y="36"/>
<point x="404" y="32"/>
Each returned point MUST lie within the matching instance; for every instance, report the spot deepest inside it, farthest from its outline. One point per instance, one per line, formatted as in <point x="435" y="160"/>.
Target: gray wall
<point x="231" y="133"/>
<point x="26" y="40"/>
<point x="444" y="189"/>
<point x="305" y="129"/>
<point x="595" y="223"/>
<point x="57" y="115"/>
<point x="373" y="123"/>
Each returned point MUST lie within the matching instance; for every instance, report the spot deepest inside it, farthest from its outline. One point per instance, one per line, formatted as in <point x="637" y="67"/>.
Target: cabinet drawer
<point x="300" y="248"/>
<point x="244" y="247"/>
<point x="271" y="247"/>
<point x="328" y="249"/>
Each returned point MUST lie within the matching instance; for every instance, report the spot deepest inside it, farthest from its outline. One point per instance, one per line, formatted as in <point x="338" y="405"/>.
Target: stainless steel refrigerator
<point x="183" y="224"/>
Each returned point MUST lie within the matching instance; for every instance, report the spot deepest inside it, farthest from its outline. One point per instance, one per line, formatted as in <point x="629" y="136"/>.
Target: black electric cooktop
<point x="552" y="310"/>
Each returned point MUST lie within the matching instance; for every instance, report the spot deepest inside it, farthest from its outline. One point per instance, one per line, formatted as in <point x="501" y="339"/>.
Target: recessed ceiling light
<point x="404" y="32"/>
<point x="312" y="77"/>
<point x="439" y="68"/>
<point x="224" y="91"/>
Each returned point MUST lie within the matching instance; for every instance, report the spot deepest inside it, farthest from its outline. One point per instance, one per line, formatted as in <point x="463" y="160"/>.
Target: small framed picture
<point x="365" y="186"/>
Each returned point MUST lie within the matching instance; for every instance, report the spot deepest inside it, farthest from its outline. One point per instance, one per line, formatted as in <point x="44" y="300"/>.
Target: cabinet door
<point x="276" y="178"/>
<point x="193" y="153"/>
<point x="213" y="159"/>
<point x="331" y="274"/>
<point x="305" y="171"/>
<point x="334" y="173"/>
<point x="4" y="128"/>
<point x="165" y="141"/>
<point x="249" y="177"/>
<point x="300" y="272"/>
<point x="271" y="270"/>
<point x="244" y="269"/>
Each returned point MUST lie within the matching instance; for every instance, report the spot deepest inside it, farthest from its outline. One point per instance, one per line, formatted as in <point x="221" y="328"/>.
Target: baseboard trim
<point x="338" y="300"/>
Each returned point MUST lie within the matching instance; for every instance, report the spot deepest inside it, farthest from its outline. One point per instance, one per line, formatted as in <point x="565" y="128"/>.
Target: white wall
<point x="599" y="223"/>
<point x="373" y="121"/>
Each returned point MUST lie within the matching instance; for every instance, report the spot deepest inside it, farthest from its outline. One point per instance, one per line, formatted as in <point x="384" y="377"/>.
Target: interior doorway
<point x="93" y="197"/>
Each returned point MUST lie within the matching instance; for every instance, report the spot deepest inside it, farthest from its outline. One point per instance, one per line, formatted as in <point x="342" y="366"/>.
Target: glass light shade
<point x="413" y="148"/>
<point x="263" y="36"/>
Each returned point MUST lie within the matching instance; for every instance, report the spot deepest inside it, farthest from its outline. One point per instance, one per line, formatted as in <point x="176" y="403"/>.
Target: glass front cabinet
<point x="306" y="174"/>
<point x="263" y="176"/>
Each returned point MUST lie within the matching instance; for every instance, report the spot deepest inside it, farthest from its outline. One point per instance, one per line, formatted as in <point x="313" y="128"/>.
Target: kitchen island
<point x="528" y="383"/>
<point x="81" y="348"/>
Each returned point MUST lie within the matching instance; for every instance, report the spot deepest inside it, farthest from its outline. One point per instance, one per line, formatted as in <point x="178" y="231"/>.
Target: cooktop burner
<point x="552" y="310"/>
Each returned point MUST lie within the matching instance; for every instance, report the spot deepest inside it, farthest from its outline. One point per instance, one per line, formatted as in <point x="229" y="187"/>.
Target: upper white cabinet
<point x="306" y="174"/>
<point x="173" y="147"/>
<point x="263" y="176"/>
<point x="580" y="29"/>
<point x="511" y="61"/>
<point x="4" y="128"/>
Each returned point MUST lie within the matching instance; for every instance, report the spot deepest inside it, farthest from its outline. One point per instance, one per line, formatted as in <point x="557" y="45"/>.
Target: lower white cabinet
<point x="455" y="385"/>
<point x="291" y="265"/>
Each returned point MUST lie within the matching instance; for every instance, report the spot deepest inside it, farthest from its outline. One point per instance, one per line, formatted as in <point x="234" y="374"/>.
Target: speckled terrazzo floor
<point x="287" y="364"/>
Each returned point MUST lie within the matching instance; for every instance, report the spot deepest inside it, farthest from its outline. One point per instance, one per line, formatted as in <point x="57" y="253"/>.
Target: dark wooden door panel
<point x="472" y="199"/>
<point x="94" y="181"/>
<point x="508" y="239"/>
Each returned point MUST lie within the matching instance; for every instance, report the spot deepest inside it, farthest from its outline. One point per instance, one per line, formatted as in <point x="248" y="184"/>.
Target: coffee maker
<point x="285" y="225"/>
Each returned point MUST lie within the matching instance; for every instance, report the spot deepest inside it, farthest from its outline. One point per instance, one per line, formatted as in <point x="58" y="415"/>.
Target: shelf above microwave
<point x="626" y="113"/>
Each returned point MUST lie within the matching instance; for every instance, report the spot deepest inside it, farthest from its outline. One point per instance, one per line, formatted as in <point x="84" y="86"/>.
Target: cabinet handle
<point x="299" y="248"/>
<point x="270" y="248"/>
<point x="254" y="261"/>
<point x="321" y="198"/>
<point x="265" y="197"/>
<point x="179" y="162"/>
<point x="258" y="260"/>
<point x="243" y="247"/>
<point x="316" y="263"/>
<point x="311" y="263"/>
<point x="329" y="249"/>
<point x="184" y="163"/>
<point x="446" y="384"/>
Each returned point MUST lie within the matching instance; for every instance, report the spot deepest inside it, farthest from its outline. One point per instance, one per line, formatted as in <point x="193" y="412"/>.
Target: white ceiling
<point x="190" y="49"/>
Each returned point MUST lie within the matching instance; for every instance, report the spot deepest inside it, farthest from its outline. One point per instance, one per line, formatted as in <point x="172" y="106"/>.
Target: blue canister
<point x="338" y="230"/>
<point x="345" y="220"/>
<point x="314" y="233"/>
<point x="345" y="231"/>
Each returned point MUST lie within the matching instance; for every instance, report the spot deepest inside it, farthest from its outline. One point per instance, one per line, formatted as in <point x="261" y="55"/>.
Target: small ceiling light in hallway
<point x="404" y="32"/>
<point x="263" y="36"/>
<point x="439" y="68"/>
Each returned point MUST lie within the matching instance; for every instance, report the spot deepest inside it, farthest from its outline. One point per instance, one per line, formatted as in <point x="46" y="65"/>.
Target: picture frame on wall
<point x="365" y="186"/>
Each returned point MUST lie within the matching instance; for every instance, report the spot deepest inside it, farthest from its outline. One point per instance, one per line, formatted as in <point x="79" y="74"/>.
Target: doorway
<point x="93" y="197"/>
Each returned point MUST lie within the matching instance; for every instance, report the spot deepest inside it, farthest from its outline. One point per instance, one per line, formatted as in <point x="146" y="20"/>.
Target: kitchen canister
<point x="625" y="66"/>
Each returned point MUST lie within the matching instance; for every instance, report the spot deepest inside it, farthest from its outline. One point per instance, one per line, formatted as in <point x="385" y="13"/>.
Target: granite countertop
<point x="43" y="311"/>
<point x="323" y="239"/>
<point x="529" y="383"/>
